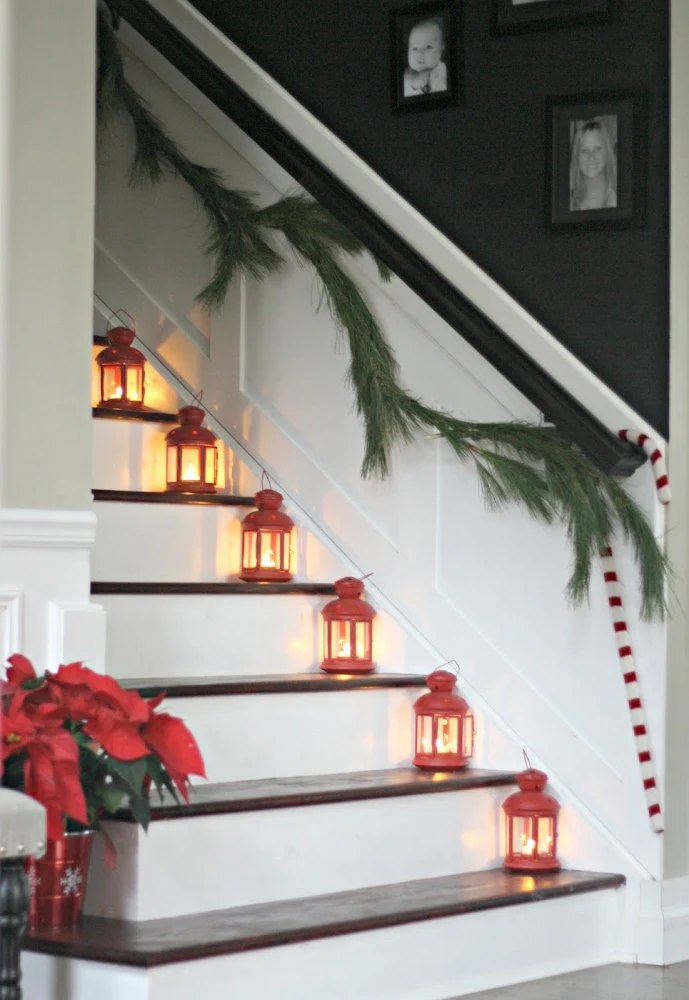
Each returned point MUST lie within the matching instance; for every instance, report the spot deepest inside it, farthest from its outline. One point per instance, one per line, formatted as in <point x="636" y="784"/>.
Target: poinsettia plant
<point x="84" y="747"/>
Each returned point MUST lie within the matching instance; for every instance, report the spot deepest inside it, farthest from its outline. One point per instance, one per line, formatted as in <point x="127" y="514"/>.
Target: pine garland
<point x="516" y="462"/>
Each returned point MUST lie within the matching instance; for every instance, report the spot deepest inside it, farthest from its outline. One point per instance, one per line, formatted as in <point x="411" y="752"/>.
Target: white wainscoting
<point x="483" y="588"/>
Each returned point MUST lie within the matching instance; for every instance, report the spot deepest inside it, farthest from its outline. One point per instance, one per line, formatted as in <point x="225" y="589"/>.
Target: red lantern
<point x="531" y="825"/>
<point x="348" y="630"/>
<point x="192" y="454"/>
<point x="267" y="541"/>
<point x="121" y="372"/>
<point x="444" y="725"/>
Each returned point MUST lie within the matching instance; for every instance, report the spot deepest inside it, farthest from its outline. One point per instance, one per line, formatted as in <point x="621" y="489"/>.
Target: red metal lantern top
<point x="442" y="698"/>
<point x="531" y="800"/>
<point x="190" y="430"/>
<point x="268" y="515"/>
<point x="348" y="603"/>
<point x="120" y="351"/>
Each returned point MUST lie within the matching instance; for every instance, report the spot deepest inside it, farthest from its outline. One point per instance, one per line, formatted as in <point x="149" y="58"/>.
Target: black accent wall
<point x="477" y="170"/>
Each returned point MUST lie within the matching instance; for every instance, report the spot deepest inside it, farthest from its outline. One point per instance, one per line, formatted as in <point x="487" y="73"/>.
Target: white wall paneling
<point x="45" y="587"/>
<point x="485" y="589"/>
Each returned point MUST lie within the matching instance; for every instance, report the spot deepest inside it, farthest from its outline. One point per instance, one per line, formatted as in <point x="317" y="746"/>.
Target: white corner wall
<point x="484" y="589"/>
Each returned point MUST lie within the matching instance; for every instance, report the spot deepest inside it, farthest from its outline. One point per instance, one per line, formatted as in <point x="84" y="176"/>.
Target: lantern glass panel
<point x="424" y="734"/>
<point x="468" y="736"/>
<point x="135" y="378"/>
<point x="270" y="549"/>
<point x="545" y="839"/>
<point x="362" y="644"/>
<point x="191" y="464"/>
<point x="524" y="840"/>
<point x="172" y="464"/>
<point x="340" y="641"/>
<point x="447" y="738"/>
<point x="112" y="382"/>
<point x="211" y="466"/>
<point x="249" y="540"/>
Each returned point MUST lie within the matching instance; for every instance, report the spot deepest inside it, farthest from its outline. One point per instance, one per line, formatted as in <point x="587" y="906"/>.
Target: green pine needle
<point x="517" y="463"/>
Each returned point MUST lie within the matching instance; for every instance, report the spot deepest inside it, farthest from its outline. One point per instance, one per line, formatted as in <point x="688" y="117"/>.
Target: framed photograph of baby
<point x="425" y="48"/>
<point x="596" y="151"/>
<point x="512" y="16"/>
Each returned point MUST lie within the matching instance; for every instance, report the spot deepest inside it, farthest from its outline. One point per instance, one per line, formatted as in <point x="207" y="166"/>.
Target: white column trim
<point x="47" y="529"/>
<point x="10" y="622"/>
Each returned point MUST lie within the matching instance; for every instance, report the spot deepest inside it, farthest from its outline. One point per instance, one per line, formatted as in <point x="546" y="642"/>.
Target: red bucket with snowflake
<point x="57" y="882"/>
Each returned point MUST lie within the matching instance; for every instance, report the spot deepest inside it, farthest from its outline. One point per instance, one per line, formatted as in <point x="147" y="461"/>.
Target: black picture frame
<point x="402" y="21"/>
<point x="611" y="127"/>
<point x="514" y="16"/>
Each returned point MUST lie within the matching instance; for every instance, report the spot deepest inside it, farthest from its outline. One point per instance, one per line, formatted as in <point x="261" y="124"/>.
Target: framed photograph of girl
<point x="424" y="56"/>
<point x="596" y="161"/>
<point x="512" y="16"/>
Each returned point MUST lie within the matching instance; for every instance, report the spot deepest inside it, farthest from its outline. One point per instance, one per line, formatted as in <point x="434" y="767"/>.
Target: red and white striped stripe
<point x="636" y="710"/>
<point x="656" y="458"/>
<point x="624" y="646"/>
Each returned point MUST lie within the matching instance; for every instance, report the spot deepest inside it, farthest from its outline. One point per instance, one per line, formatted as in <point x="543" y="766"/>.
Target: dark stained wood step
<point x="199" y="687"/>
<point x="149" y="943"/>
<point x="147" y="415"/>
<point x="217" y="589"/>
<point x="146" y="496"/>
<point x="319" y="789"/>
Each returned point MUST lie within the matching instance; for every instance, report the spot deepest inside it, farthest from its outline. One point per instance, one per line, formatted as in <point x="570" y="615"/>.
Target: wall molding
<point x="47" y="529"/>
<point x="453" y="285"/>
<point x="11" y="622"/>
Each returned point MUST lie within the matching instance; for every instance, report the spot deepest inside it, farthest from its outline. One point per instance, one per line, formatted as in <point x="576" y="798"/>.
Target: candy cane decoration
<point x="657" y="461"/>
<point x="624" y="647"/>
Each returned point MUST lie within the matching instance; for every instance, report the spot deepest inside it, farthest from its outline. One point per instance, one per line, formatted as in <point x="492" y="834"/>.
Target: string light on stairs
<point x="348" y="630"/>
<point x="531" y="818"/>
<point x="192" y="454"/>
<point x="267" y="540"/>
<point x="444" y="725"/>
<point x="121" y="370"/>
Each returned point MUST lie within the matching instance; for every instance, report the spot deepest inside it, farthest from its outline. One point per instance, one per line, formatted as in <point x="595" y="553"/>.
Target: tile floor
<point x="612" y="982"/>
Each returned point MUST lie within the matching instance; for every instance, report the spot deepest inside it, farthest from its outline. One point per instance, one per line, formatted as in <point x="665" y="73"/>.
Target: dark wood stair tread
<point x="147" y="415"/>
<point x="231" y="587"/>
<point x="149" y="496"/>
<point x="267" y="925"/>
<point x="319" y="789"/>
<point x="195" y="687"/>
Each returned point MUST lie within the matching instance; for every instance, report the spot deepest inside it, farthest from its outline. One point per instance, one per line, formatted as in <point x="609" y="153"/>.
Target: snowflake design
<point x="34" y="881"/>
<point x="71" y="882"/>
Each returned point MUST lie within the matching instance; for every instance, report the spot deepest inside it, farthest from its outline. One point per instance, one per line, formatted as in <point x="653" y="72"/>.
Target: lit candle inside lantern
<point x="190" y="471"/>
<point x="268" y="559"/>
<point x="528" y="846"/>
<point x="344" y="648"/>
<point x="443" y="744"/>
<point x="118" y="392"/>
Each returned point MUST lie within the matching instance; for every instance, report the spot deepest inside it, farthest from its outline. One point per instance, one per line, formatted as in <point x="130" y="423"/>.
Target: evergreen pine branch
<point x="517" y="463"/>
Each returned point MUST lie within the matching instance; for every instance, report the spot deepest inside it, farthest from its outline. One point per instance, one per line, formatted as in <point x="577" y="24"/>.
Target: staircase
<point x="315" y="862"/>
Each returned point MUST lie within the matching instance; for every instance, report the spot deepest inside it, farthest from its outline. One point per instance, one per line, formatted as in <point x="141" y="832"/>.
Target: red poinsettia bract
<point x="42" y="715"/>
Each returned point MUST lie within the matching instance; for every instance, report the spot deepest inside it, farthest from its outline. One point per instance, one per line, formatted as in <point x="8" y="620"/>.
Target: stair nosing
<point x="123" y="587"/>
<point x="219" y="942"/>
<point x="146" y="416"/>
<point x="322" y="789"/>
<point x="163" y="497"/>
<point x="151" y="687"/>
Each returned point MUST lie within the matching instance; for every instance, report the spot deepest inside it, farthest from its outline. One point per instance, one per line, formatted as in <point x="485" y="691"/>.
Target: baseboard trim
<point x="663" y="927"/>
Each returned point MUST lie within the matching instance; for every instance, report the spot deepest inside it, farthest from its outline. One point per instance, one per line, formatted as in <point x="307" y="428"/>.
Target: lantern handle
<point x="265" y="478"/>
<point x="447" y="663"/>
<point x="123" y="312"/>
<point x="526" y="760"/>
<point x="197" y="398"/>
<point x="362" y="578"/>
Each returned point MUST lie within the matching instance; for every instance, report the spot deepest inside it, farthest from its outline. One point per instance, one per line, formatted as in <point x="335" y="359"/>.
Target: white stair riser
<point x="280" y="735"/>
<point x="179" y="635"/>
<point x="211" y="862"/>
<point x="170" y="542"/>
<point x="429" y="960"/>
<point x="244" y="737"/>
<point x="131" y="455"/>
